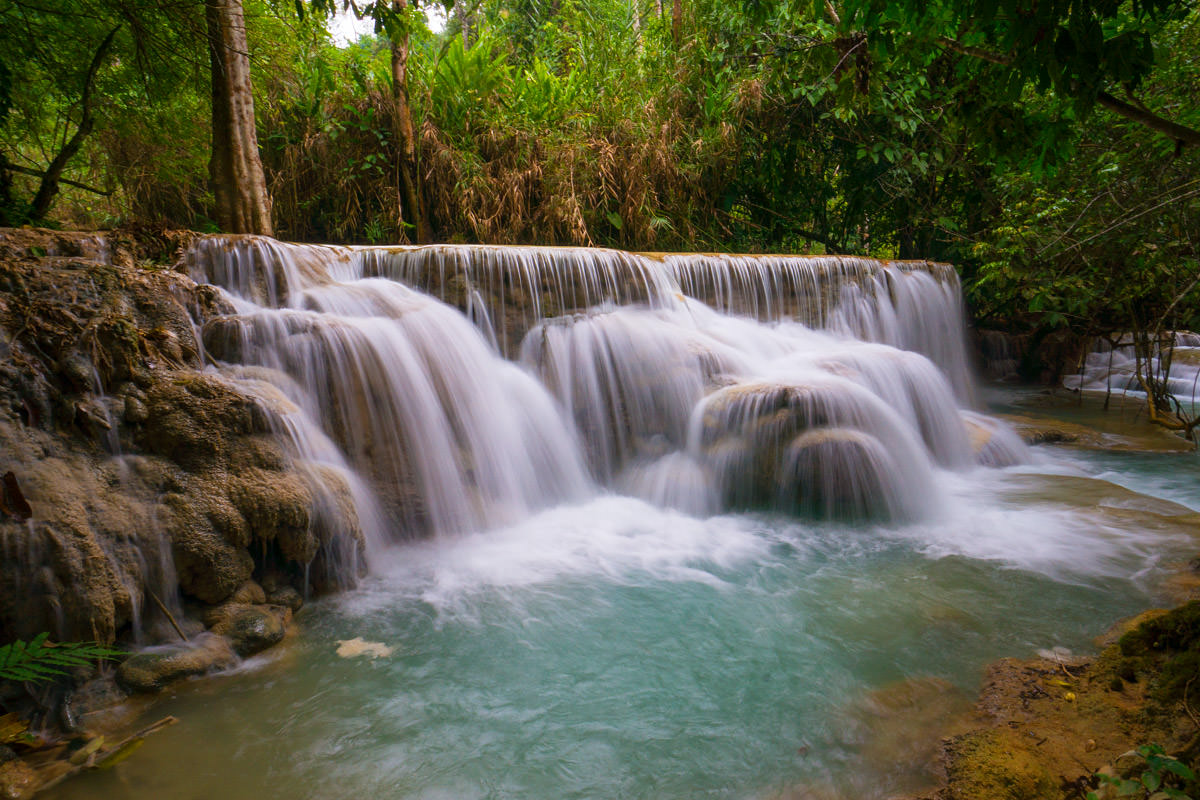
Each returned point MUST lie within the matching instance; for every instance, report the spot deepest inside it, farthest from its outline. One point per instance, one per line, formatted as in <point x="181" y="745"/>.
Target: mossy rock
<point x="159" y="667"/>
<point x="277" y="505"/>
<point x="1172" y="643"/>
<point x="192" y="417"/>
<point x="995" y="765"/>
<point x="18" y="781"/>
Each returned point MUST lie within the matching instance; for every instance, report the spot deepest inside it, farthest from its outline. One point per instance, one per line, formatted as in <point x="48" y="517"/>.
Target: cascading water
<point x="637" y="381"/>
<point x="452" y="438"/>
<point x="1114" y="368"/>
<point x="697" y="523"/>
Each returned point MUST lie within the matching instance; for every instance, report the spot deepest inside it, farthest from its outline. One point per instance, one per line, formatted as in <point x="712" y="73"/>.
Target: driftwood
<point x="108" y="758"/>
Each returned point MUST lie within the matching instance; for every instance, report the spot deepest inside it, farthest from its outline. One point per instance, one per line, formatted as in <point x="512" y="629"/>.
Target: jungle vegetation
<point x="1049" y="148"/>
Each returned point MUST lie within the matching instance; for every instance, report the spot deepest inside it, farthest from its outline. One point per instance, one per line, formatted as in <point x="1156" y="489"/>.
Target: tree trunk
<point x="8" y="215"/>
<point x="235" y="170"/>
<point x="48" y="188"/>
<point x="410" y="193"/>
<point x="464" y="22"/>
<point x="677" y="21"/>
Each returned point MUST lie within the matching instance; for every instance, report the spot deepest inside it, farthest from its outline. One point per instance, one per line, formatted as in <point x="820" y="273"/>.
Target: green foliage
<point x="1155" y="782"/>
<point x="41" y="661"/>
<point x="466" y="84"/>
<point x="147" y="129"/>
<point x="1075" y="49"/>
<point x="768" y="126"/>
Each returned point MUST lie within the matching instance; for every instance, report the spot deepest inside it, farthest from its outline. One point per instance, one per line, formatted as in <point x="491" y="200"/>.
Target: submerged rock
<point x="356" y="647"/>
<point x="156" y="668"/>
<point x="18" y="780"/>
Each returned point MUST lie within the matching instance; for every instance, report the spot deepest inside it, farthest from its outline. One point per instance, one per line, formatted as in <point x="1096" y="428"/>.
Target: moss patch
<point x="1167" y="649"/>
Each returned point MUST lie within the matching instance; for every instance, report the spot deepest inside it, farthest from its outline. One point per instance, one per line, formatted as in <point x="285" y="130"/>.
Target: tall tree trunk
<point x="464" y="22"/>
<point x="677" y="21"/>
<point x="410" y="193"/>
<point x="48" y="188"/>
<point x="238" y="184"/>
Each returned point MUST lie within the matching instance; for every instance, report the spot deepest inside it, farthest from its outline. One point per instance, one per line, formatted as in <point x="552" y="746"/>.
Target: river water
<point x="612" y="649"/>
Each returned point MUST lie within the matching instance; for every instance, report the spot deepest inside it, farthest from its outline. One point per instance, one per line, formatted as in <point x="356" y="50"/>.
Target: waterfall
<point x="457" y="388"/>
<point x="1175" y="362"/>
<point x="450" y="437"/>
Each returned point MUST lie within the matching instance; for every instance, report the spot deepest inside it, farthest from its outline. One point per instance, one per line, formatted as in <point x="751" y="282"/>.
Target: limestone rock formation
<point x="137" y="479"/>
<point x="157" y="667"/>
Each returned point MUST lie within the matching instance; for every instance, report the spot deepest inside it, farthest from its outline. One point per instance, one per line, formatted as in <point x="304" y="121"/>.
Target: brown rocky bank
<point x="205" y="521"/>
<point x="1043" y="728"/>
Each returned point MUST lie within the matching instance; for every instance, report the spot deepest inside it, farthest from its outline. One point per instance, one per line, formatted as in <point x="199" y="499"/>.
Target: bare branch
<point x="37" y="173"/>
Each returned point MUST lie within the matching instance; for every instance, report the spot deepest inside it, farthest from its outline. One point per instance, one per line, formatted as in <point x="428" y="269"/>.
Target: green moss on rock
<point x="1169" y="646"/>
<point x="995" y="765"/>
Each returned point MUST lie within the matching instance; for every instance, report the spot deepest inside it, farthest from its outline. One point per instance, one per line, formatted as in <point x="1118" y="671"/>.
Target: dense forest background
<point x="1047" y="148"/>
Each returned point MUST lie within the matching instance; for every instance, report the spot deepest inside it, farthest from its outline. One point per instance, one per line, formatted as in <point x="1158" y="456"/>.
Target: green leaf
<point x="1151" y="780"/>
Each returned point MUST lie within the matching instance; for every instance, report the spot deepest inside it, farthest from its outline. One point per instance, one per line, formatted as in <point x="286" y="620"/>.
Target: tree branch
<point x="50" y="180"/>
<point x="1137" y="113"/>
<point x="1180" y="133"/>
<point x="39" y="174"/>
<point x="974" y="52"/>
<point x="832" y="12"/>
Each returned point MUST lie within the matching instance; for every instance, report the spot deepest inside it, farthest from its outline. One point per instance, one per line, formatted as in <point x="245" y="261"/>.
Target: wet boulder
<point x="157" y="667"/>
<point x="252" y="629"/>
<point x="838" y="473"/>
<point x="287" y="597"/>
<point x="993" y="443"/>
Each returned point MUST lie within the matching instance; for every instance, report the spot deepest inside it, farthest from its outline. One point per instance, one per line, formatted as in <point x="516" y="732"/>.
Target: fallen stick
<point x="170" y="616"/>
<point x="129" y="744"/>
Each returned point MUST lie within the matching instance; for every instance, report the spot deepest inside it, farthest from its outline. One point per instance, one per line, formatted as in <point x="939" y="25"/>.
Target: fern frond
<point x="40" y="660"/>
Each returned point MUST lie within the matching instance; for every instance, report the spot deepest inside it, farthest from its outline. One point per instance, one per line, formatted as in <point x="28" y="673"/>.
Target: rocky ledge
<point x="146" y="500"/>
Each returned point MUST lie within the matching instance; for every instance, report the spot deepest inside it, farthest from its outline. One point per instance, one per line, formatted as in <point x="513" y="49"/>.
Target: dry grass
<point x="621" y="186"/>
